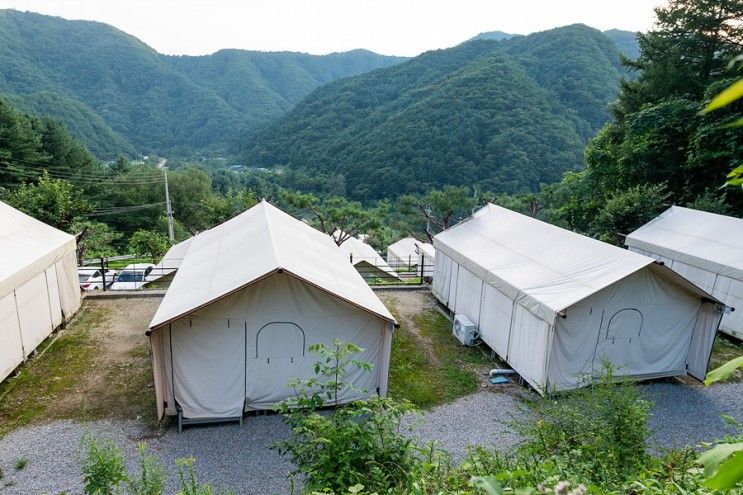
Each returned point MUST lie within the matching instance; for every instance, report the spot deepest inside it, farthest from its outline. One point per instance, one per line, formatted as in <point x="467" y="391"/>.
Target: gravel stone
<point x="241" y="458"/>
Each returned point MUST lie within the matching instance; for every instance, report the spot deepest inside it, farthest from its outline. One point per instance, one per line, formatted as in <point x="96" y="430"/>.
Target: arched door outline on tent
<point x="290" y="342"/>
<point x="622" y="327"/>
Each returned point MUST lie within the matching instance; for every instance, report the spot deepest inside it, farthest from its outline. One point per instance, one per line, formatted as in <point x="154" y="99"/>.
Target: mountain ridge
<point x="154" y="102"/>
<point x="507" y="115"/>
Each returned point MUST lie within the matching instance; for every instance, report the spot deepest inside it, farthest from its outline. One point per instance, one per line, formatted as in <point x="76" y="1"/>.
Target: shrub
<point x="358" y="443"/>
<point x="596" y="434"/>
<point x="151" y="479"/>
<point x="103" y="466"/>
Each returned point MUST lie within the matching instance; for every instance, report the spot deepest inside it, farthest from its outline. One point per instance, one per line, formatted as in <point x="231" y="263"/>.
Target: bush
<point x="358" y="443"/>
<point x="596" y="434"/>
<point x="104" y="472"/>
<point x="103" y="466"/>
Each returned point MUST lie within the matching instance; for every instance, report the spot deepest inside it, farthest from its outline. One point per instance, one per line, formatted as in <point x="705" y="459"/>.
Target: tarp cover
<point x="253" y="245"/>
<point x="357" y="251"/>
<point x="708" y="241"/>
<point x="540" y="266"/>
<point x="28" y="246"/>
<point x="407" y="252"/>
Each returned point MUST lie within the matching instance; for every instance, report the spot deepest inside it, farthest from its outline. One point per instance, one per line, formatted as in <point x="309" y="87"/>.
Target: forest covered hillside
<point x="118" y="94"/>
<point x="507" y="115"/>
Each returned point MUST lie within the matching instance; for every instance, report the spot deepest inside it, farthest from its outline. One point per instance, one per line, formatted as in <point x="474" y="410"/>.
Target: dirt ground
<point x="119" y="378"/>
<point x="409" y="304"/>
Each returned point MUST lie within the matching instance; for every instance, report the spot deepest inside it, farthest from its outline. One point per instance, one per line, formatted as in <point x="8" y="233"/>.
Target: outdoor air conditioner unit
<point x="465" y="330"/>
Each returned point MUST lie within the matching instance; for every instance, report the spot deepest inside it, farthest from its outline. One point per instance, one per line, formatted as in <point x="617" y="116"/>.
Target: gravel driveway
<point x="228" y="455"/>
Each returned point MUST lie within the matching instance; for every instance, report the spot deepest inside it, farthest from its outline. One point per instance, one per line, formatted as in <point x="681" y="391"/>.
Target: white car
<point x="134" y="276"/>
<point x="92" y="278"/>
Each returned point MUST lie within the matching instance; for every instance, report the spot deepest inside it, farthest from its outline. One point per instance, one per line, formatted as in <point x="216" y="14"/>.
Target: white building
<point x="38" y="284"/>
<point x="249" y="298"/>
<point x="366" y="260"/>
<point x="706" y="248"/>
<point x="556" y="305"/>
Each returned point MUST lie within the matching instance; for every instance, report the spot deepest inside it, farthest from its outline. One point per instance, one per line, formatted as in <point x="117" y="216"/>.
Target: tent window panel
<point x="495" y="319"/>
<point x="55" y="307"/>
<point x="11" y="350"/>
<point x="527" y="351"/>
<point x="442" y="277"/>
<point x="33" y="310"/>
<point x="469" y="292"/>
<point x="730" y="292"/>
<point x="280" y="340"/>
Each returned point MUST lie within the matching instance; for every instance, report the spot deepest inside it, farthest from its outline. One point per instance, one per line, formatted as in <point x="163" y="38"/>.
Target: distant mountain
<point x="494" y="36"/>
<point x="626" y="41"/>
<point x="264" y="85"/>
<point x="507" y="115"/>
<point x="118" y="94"/>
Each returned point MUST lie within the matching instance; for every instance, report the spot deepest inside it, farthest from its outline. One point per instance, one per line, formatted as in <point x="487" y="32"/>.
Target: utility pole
<point x="171" y="237"/>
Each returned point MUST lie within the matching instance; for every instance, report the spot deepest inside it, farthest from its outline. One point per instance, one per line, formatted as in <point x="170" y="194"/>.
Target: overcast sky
<point x="393" y="27"/>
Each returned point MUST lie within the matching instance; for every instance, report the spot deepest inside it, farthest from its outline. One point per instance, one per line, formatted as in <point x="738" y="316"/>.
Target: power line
<point x="82" y="180"/>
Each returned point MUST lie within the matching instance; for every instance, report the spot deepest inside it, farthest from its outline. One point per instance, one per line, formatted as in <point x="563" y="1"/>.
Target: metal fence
<point x="377" y="271"/>
<point x="107" y="276"/>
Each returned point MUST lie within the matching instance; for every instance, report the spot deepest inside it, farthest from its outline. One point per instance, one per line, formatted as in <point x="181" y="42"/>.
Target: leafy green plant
<point x="153" y="244"/>
<point x="356" y="444"/>
<point x="21" y="463"/>
<point x="596" y="434"/>
<point x="151" y="479"/>
<point x="103" y="466"/>
<point x="723" y="463"/>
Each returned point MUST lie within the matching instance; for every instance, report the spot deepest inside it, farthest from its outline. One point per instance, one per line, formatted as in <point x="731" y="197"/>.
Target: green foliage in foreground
<point x="105" y="473"/>
<point x="590" y="441"/>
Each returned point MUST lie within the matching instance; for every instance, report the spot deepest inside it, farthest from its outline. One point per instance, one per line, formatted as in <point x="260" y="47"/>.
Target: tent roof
<point x="543" y="267"/>
<point x="708" y="241"/>
<point x="409" y="246"/>
<point x="257" y="243"/>
<point x="362" y="251"/>
<point x="174" y="257"/>
<point x="29" y="247"/>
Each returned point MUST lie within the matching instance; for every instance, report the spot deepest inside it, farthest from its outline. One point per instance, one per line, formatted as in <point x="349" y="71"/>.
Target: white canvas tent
<point x="250" y="297"/>
<point x="39" y="286"/>
<point x="407" y="252"/>
<point x="555" y="304"/>
<point x="706" y="248"/>
<point x="172" y="259"/>
<point x="366" y="260"/>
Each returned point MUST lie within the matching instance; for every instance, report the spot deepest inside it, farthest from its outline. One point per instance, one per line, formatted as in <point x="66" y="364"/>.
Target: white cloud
<point x="399" y="27"/>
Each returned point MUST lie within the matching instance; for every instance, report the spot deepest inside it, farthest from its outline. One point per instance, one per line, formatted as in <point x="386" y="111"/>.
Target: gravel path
<point x="228" y="455"/>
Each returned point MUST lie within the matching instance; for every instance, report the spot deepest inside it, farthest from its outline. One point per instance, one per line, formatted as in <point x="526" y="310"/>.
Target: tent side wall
<point x="512" y="331"/>
<point x="645" y="326"/>
<point x="30" y="312"/>
<point x="239" y="352"/>
<point x="726" y="289"/>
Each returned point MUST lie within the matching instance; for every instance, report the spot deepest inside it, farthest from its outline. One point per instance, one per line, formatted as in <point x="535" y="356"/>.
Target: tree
<point x="153" y="244"/>
<point x="53" y="201"/>
<point x="94" y="239"/>
<point x="440" y="207"/>
<point x="335" y="216"/>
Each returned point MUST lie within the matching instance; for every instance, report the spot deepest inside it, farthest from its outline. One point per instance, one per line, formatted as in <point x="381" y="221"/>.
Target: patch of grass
<point x="429" y="381"/>
<point x="42" y="381"/>
<point x="723" y="350"/>
<point x="21" y="463"/>
<point x="120" y="264"/>
<point x="128" y="394"/>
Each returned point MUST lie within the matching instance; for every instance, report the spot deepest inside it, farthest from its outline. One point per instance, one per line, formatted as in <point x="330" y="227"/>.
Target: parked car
<point x="134" y="276"/>
<point x="92" y="278"/>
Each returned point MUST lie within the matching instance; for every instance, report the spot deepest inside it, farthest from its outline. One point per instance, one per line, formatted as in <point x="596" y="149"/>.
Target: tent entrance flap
<point x="208" y="367"/>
